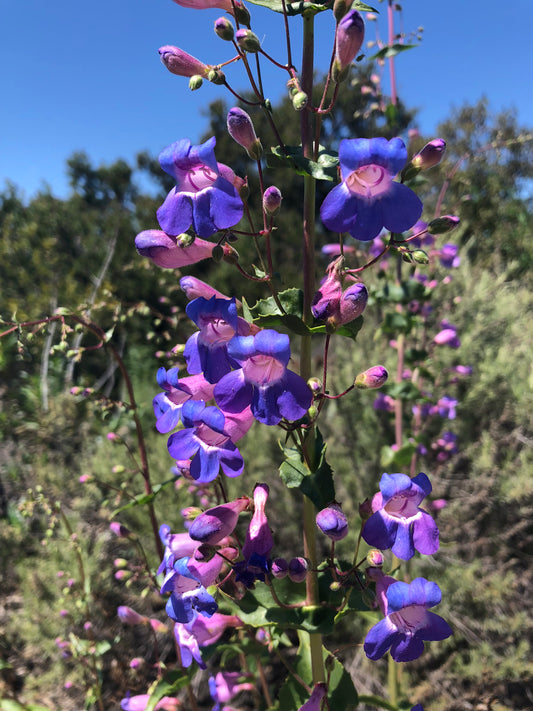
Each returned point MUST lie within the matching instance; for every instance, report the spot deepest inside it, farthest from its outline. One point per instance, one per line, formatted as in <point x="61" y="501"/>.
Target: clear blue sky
<point x="86" y="75"/>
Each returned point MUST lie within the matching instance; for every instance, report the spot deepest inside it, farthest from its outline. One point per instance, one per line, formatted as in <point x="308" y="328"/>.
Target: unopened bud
<point x="216" y="76"/>
<point x="120" y="563"/>
<point x="350" y="36"/>
<point x="312" y="412"/>
<point x="365" y="509"/>
<point x="241" y="129"/>
<point x="185" y="239"/>
<point x="195" y="82"/>
<point x="419" y="256"/>
<point x="372" y="378"/>
<point x="441" y="225"/>
<point x="314" y="384"/>
<point x="332" y="522"/>
<point x="340" y="8"/>
<point x="248" y="41"/>
<point x="430" y="155"/>
<point x="231" y="256"/>
<point x="375" y="558"/>
<point x="298" y="569"/>
<point x="179" y="62"/>
<point x="272" y="200"/>
<point x="299" y="100"/>
<point x="224" y="29"/>
<point x="280" y="567"/>
<point x="241" y="14"/>
<point x="119" y="530"/>
<point x="335" y="585"/>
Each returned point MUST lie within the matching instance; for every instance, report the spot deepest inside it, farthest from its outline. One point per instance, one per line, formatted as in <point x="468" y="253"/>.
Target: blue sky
<point x="86" y="75"/>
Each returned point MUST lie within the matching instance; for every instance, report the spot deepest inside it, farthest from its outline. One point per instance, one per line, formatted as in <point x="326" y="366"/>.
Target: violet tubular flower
<point x="205" y="442"/>
<point x="398" y="522"/>
<point x="170" y="252"/>
<point x="207" y="350"/>
<point x="368" y="199"/>
<point x="167" y="405"/>
<point x="408" y="622"/>
<point x="263" y="381"/>
<point x="205" y="195"/>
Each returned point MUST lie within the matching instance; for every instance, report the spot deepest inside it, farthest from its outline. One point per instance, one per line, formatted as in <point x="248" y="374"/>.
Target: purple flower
<point x="333" y="304"/>
<point x="188" y="596"/>
<point x="408" y="623"/>
<point x="225" y="685"/>
<point x="258" y="543"/>
<point x="445" y="447"/>
<point x="207" y="350"/>
<point x="368" y="199"/>
<point x="205" y="442"/>
<point x="448" y="255"/>
<point x="398" y="522"/>
<point x="205" y="195"/>
<point x="179" y="62"/>
<point x="263" y="381"/>
<point x="445" y="407"/>
<point x="215" y="524"/>
<point x="448" y="336"/>
<point x="167" y="405"/>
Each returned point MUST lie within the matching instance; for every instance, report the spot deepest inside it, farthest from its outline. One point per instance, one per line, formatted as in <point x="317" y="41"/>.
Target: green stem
<point x="307" y="134"/>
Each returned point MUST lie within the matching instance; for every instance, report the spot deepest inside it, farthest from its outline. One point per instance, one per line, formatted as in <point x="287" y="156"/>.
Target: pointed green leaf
<point x="392" y="50"/>
<point x="172" y="682"/>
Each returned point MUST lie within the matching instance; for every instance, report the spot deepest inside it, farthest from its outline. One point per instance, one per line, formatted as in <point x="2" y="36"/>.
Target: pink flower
<point x="179" y="62"/>
<point x="168" y="252"/>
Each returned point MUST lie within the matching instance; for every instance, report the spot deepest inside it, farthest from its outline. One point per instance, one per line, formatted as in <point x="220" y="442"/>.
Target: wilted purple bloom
<point x="205" y="442"/>
<point x="263" y="381"/>
<point x="167" y="405"/>
<point x="408" y="623"/>
<point x="368" y="199"/>
<point x="205" y="195"/>
<point x="448" y="256"/>
<point x="334" y="304"/>
<point x="398" y="522"/>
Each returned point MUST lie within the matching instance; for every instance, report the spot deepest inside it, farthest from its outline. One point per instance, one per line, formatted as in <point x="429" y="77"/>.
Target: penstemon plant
<point x="241" y="368"/>
<point x="236" y="601"/>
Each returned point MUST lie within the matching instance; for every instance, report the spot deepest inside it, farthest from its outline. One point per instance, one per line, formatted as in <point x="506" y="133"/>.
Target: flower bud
<point x="218" y="253"/>
<point x="298" y="569"/>
<point x="340" y="8"/>
<point x="185" y="239"/>
<point x="352" y="304"/>
<point x="419" y="256"/>
<point x="248" y="41"/>
<point x="372" y="378"/>
<point x="224" y="29"/>
<point x="218" y="522"/>
<point x="430" y="155"/>
<point x="375" y="558"/>
<point x="272" y="200"/>
<point x="119" y="530"/>
<point x="280" y="567"/>
<point x="299" y="100"/>
<point x="332" y="522"/>
<point x="195" y="82"/>
<point x="216" y="76"/>
<point x="241" y="129"/>
<point x="441" y="225"/>
<point x="350" y="36"/>
<point x="128" y="616"/>
<point x="315" y="385"/>
<point x="179" y="62"/>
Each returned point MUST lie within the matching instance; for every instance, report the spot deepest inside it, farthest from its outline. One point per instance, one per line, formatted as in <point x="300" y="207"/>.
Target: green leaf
<point x="397" y="459"/>
<point x="401" y="293"/>
<point x="396" y="322"/>
<point x="324" y="168"/>
<point x="392" y="50"/>
<point x="317" y="485"/>
<point x="293" y="8"/>
<point x="141" y="499"/>
<point x="172" y="682"/>
<point x="266" y="312"/>
<point x="405" y="390"/>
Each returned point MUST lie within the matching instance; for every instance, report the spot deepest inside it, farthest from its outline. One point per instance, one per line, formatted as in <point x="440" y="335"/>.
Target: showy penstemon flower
<point x="408" y="622"/>
<point x="263" y="381"/>
<point x="205" y="195"/>
<point x="398" y="522"/>
<point x="368" y="199"/>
